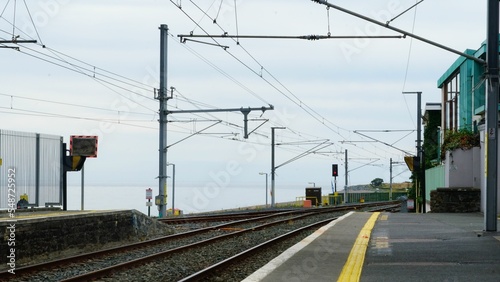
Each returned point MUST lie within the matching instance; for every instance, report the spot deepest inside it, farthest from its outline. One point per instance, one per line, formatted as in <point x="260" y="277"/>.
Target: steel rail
<point x="198" y="276"/>
<point x="218" y="217"/>
<point x="140" y="261"/>
<point x="25" y="270"/>
<point x="210" y="270"/>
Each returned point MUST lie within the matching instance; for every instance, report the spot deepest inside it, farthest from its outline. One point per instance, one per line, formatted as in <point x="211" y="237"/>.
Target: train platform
<point x="391" y="247"/>
<point x="41" y="213"/>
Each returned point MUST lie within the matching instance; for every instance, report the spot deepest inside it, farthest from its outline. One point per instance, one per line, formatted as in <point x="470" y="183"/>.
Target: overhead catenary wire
<point x="4" y="8"/>
<point x="236" y="19"/>
<point x="70" y="104"/>
<point x="55" y="115"/>
<point x="197" y="103"/>
<point x="109" y="75"/>
<point x="14" y="19"/>
<point x="408" y="67"/>
<point x="299" y="103"/>
<point x="125" y="122"/>
<point x="298" y="149"/>
<point x="218" y="11"/>
<point x="85" y="71"/>
<point x="79" y="67"/>
<point x="224" y="73"/>
<point x="400" y="14"/>
<point x="311" y="37"/>
<point x="102" y="81"/>
<point x="32" y="22"/>
<point x="89" y="72"/>
<point x="405" y="33"/>
<point x="97" y="70"/>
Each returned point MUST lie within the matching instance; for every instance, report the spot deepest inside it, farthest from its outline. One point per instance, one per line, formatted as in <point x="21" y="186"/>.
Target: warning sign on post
<point x="85" y="146"/>
<point x="149" y="194"/>
<point x="410" y="204"/>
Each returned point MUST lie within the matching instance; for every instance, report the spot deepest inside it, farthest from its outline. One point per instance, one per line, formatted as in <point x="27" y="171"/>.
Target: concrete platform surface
<point x="399" y="247"/>
<point x="432" y="247"/>
<point x="28" y="214"/>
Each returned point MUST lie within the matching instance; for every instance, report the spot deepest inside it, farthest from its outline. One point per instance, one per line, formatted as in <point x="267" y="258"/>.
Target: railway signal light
<point x="413" y="163"/>
<point x="335" y="170"/>
<point x="73" y="163"/>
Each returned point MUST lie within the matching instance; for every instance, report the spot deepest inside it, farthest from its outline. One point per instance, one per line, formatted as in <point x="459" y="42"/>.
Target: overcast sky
<point x="99" y="69"/>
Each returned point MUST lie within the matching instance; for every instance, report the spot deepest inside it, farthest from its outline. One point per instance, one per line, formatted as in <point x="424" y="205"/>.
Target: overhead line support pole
<point x="420" y="152"/>
<point x="390" y="180"/>
<point x="17" y="41"/>
<point x="346" y="195"/>
<point x="405" y="33"/>
<point x="244" y="111"/>
<point x="184" y="37"/>
<point x="273" y="169"/>
<point x="163" y="99"/>
<point x="491" y="131"/>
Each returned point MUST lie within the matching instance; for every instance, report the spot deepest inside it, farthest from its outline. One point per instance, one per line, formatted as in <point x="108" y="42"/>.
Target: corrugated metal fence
<point x="31" y="165"/>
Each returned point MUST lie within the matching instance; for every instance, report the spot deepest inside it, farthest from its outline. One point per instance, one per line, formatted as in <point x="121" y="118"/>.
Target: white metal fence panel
<point x="31" y="165"/>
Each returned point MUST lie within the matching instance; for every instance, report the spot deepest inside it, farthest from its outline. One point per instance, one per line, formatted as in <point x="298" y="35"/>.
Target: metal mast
<point x="491" y="134"/>
<point x="390" y="180"/>
<point x="420" y="153"/>
<point x="421" y="170"/>
<point x="163" y="99"/>
<point x="273" y="168"/>
<point x="346" y="200"/>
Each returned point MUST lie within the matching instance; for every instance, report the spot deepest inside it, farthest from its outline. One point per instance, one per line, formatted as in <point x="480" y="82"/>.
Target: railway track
<point x="217" y="271"/>
<point x="224" y="217"/>
<point x="179" y="250"/>
<point x="219" y="217"/>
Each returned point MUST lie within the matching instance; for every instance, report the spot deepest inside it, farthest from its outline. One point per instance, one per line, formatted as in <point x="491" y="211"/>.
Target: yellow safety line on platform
<point x="354" y="264"/>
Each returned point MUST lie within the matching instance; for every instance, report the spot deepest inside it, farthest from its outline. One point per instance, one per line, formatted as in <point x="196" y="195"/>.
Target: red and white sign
<point x="85" y="146"/>
<point x="410" y="204"/>
<point x="149" y="194"/>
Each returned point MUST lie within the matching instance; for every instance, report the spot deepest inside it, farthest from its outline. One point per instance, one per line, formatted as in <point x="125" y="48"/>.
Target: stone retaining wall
<point x="456" y="200"/>
<point x="47" y="238"/>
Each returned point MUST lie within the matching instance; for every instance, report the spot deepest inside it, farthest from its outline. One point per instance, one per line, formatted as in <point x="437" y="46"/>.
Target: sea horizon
<point x="188" y="199"/>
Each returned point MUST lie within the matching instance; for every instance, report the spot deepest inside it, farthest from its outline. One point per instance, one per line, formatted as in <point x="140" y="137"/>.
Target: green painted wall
<point x="434" y="178"/>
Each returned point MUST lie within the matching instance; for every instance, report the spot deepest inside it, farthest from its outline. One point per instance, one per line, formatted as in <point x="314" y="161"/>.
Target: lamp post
<point x="273" y="169"/>
<point x="265" y="173"/>
<point x="313" y="183"/>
